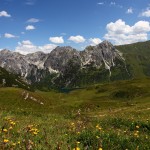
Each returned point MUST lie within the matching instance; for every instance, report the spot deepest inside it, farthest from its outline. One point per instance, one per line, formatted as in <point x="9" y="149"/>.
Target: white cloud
<point x="27" y="42"/>
<point x="100" y="3"/>
<point x="63" y="33"/>
<point x="8" y="35"/>
<point x="77" y="39"/>
<point x="33" y="20"/>
<point x="26" y="47"/>
<point x="30" y="2"/>
<point x="115" y="5"/>
<point x="146" y="13"/>
<point x="141" y="27"/>
<point x="4" y="14"/>
<point x="58" y="40"/>
<point x="121" y="33"/>
<point x="112" y="3"/>
<point x="129" y="11"/>
<point x="30" y="27"/>
<point x="94" y="41"/>
<point x="47" y="48"/>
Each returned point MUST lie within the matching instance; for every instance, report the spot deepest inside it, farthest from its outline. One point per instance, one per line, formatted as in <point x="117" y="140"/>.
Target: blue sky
<point x="32" y="25"/>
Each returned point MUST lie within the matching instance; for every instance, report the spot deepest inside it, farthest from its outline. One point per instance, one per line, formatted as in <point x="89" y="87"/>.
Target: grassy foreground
<point x="101" y="117"/>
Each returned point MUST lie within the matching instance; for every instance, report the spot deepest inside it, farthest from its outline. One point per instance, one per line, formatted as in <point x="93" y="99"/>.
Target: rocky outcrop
<point x="103" y="53"/>
<point x="23" y="65"/>
<point x="58" y="59"/>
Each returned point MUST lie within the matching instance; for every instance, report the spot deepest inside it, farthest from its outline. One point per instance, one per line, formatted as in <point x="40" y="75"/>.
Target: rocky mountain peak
<point x="105" y="42"/>
<point x="60" y="57"/>
<point x="36" y="65"/>
<point x="5" y="52"/>
<point x="105" y="46"/>
<point x="103" y="53"/>
<point x="62" y="50"/>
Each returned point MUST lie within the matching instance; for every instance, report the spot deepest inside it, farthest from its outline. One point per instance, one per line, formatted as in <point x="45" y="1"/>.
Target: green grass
<point x="109" y="116"/>
<point x="137" y="56"/>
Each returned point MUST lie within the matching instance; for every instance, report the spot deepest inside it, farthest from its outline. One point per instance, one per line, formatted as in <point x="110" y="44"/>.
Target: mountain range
<point x="68" y="67"/>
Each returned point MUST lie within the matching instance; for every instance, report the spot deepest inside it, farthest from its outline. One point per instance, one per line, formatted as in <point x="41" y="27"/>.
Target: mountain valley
<point x="94" y="99"/>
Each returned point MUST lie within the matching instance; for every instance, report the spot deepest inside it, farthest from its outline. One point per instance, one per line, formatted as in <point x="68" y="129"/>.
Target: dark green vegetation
<point x="137" y="58"/>
<point x="74" y="76"/>
<point x="108" y="116"/>
<point x="8" y="79"/>
<point x="81" y="77"/>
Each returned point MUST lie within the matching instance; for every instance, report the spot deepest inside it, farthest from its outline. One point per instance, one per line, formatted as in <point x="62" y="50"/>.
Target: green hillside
<point x="108" y="116"/>
<point x="137" y="57"/>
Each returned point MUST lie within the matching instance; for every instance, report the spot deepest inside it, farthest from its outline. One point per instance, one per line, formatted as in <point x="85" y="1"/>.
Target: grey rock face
<point x="13" y="62"/>
<point x="35" y="66"/>
<point x="104" y="52"/>
<point x="21" y="64"/>
<point x="60" y="56"/>
<point x="37" y="58"/>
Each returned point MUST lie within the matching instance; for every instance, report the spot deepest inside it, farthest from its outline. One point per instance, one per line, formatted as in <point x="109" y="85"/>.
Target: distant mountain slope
<point x="100" y="63"/>
<point x="68" y="67"/>
<point x="137" y="56"/>
<point x="8" y="79"/>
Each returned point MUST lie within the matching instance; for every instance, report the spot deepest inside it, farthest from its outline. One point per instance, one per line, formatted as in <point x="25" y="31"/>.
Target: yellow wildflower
<point x="137" y="127"/>
<point x="13" y="144"/>
<point x="6" y="141"/>
<point x="18" y="142"/>
<point x="5" y="130"/>
<point x="100" y="128"/>
<point x="100" y="148"/>
<point x="97" y="137"/>
<point x="72" y="124"/>
<point x="12" y="123"/>
<point x="35" y="133"/>
<point x="136" y="134"/>
<point x="10" y="128"/>
<point x="77" y="148"/>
